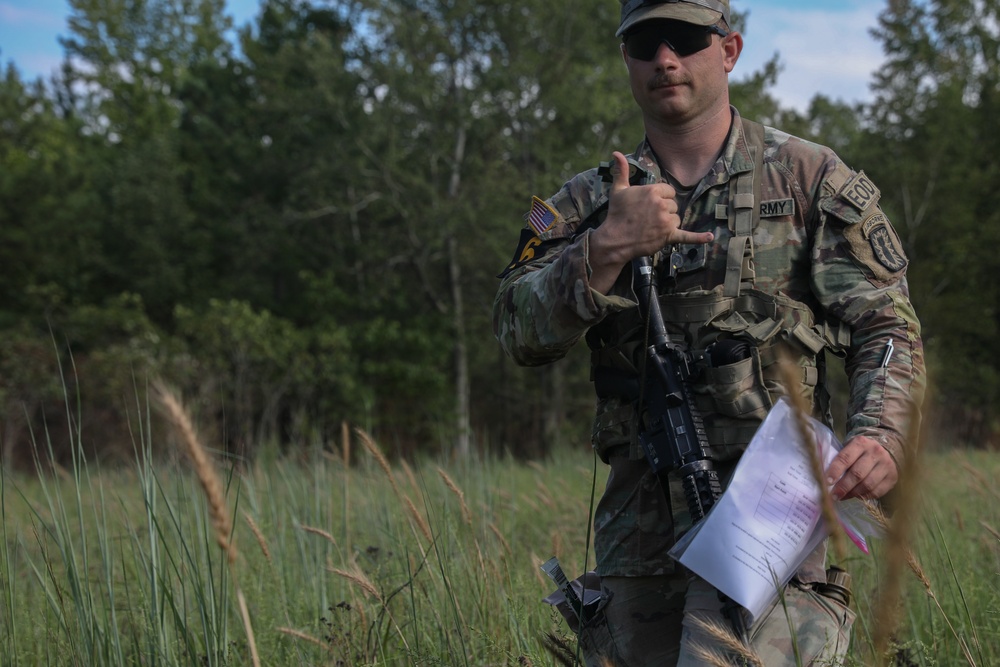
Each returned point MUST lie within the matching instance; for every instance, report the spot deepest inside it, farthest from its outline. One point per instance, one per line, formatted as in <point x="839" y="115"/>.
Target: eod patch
<point x="871" y="240"/>
<point x="860" y="192"/>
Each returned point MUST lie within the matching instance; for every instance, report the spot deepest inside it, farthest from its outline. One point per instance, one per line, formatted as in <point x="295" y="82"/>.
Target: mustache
<point x="663" y="79"/>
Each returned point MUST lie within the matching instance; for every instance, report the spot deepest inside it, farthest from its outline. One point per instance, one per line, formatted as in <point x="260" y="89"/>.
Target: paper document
<point x="767" y="521"/>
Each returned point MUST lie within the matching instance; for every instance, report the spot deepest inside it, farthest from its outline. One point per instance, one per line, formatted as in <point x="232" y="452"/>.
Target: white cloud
<point x="821" y="51"/>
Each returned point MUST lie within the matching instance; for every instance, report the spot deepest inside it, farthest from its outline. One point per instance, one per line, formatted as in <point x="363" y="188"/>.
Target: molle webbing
<point x="732" y="397"/>
<point x="614" y="367"/>
<point x="744" y="214"/>
<point x="752" y="315"/>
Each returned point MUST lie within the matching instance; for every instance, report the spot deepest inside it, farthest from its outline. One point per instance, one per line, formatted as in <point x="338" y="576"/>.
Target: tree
<point x="126" y="62"/>
<point x="44" y="181"/>
<point x="932" y="136"/>
<point x="503" y="124"/>
<point x="310" y="226"/>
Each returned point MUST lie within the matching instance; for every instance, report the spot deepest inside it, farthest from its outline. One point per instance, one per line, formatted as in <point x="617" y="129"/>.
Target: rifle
<point x="672" y="432"/>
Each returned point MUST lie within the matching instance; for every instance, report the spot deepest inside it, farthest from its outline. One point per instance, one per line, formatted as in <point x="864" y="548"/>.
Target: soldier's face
<point x="679" y="89"/>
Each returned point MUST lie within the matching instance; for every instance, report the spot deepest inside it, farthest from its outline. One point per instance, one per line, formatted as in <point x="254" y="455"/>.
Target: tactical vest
<point x="735" y="334"/>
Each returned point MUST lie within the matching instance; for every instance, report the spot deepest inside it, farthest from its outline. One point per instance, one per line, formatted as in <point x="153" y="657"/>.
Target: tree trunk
<point x="555" y="402"/>
<point x="463" y="434"/>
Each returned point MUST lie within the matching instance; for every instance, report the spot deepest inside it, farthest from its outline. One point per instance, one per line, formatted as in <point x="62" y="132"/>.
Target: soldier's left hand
<point x="862" y="469"/>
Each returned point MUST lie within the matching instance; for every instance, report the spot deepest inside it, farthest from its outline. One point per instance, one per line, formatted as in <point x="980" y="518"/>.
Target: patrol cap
<point x="699" y="12"/>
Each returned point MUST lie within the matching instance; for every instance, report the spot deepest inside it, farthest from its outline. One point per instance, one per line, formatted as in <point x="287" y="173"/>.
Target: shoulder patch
<point x="874" y="243"/>
<point x="860" y="192"/>
<point x="884" y="242"/>
<point x="529" y="247"/>
<point x="541" y="216"/>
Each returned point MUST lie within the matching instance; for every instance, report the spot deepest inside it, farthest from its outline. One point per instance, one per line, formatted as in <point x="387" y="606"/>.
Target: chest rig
<point x="735" y="334"/>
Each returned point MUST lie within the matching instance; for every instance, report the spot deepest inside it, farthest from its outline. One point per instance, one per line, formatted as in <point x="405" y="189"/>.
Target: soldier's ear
<point x="732" y="47"/>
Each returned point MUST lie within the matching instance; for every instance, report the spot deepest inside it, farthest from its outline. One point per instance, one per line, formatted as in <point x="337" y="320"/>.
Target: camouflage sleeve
<point x="545" y="303"/>
<point x="859" y="276"/>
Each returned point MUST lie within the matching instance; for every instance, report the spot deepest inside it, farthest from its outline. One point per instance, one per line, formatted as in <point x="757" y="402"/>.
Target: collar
<point x="734" y="159"/>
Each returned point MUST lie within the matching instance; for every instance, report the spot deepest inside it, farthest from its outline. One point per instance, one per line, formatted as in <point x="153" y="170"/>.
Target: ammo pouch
<point x="733" y="382"/>
<point x="734" y="343"/>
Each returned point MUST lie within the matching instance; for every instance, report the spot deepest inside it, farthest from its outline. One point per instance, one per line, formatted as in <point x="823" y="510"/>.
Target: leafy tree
<point x="126" y="60"/>
<point x="44" y="183"/>
<point x="318" y="226"/>
<point x="244" y="365"/>
<point x="932" y="140"/>
<point x="307" y="229"/>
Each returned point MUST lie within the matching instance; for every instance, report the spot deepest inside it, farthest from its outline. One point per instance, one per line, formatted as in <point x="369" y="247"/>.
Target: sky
<point x="825" y="46"/>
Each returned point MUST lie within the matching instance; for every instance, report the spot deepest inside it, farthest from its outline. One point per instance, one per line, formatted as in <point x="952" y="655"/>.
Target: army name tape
<point x="777" y="208"/>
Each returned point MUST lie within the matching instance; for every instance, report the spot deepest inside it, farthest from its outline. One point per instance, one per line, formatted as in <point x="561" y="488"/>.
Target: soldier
<point x="759" y="237"/>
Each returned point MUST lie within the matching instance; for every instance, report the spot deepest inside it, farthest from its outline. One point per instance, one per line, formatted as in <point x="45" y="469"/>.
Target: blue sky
<point x="825" y="45"/>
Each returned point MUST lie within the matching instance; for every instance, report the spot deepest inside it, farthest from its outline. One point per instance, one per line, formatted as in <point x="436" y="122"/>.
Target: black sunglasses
<point x="683" y="38"/>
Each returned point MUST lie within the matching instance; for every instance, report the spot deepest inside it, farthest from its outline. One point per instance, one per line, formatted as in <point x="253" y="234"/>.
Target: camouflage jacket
<point x="830" y="274"/>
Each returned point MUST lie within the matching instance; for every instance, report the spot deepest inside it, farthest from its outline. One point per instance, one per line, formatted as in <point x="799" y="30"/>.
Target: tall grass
<point x="426" y="565"/>
<point x="346" y="559"/>
<point x="949" y="609"/>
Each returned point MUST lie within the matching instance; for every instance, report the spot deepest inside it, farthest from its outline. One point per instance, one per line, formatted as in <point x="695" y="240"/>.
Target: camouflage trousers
<point x="651" y="621"/>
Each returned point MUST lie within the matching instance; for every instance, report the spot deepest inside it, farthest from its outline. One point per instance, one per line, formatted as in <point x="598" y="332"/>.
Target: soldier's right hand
<point x="642" y="219"/>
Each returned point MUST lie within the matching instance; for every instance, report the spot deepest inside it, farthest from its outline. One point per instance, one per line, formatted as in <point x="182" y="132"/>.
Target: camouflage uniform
<point x="826" y="273"/>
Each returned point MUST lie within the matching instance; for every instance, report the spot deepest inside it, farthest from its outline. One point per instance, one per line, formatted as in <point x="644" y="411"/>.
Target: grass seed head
<point x="298" y="634"/>
<point x="322" y="533"/>
<point x="258" y="535"/>
<point x="791" y="377"/>
<point x="722" y="639"/>
<point x="419" y="519"/>
<point x="197" y="455"/>
<point x="358" y="578"/>
<point x="453" y="487"/>
<point x="379" y="457"/>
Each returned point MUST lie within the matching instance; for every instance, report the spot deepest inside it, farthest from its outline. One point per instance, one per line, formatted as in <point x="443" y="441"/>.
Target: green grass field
<point x="431" y="564"/>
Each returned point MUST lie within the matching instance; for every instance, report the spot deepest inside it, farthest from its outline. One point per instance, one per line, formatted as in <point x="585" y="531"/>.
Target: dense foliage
<point x="302" y="226"/>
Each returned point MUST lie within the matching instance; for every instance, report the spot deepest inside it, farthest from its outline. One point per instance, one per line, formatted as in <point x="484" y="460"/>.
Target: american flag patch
<point x="541" y="216"/>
